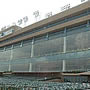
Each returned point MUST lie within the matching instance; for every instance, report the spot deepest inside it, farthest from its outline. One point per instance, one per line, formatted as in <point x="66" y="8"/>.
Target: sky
<point x="13" y="10"/>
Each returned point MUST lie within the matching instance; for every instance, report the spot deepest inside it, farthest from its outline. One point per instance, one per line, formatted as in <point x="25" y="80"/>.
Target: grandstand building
<point x="59" y="43"/>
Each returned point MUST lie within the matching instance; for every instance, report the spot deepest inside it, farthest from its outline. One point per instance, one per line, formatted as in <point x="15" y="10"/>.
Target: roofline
<point x="61" y="15"/>
<point x="70" y="23"/>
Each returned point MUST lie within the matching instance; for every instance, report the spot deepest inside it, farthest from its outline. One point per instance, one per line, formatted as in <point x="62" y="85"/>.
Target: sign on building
<point x="6" y="33"/>
<point x="66" y="7"/>
<point x="83" y="0"/>
<point x="48" y="14"/>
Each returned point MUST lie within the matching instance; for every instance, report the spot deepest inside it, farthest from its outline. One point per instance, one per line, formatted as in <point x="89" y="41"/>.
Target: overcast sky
<point x="13" y="10"/>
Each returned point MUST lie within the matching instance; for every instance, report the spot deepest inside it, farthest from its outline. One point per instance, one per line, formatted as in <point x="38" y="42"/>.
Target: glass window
<point x="40" y="38"/>
<point x="78" y="41"/>
<point x="5" y="55"/>
<point x="48" y="47"/>
<point x="47" y="66"/>
<point x="3" y="67"/>
<point x="8" y="47"/>
<point x="1" y="49"/>
<point x="27" y="42"/>
<point x="4" y="60"/>
<point x="17" y="45"/>
<point x="23" y="52"/>
<point x="78" y="65"/>
<point x="20" y="67"/>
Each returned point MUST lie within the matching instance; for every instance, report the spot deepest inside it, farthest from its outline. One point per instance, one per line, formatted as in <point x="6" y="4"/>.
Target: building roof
<point x="60" y="16"/>
<point x="15" y="27"/>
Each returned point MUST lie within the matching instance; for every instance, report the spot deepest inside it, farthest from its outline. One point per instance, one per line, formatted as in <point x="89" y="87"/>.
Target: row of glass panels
<point x="50" y="35"/>
<point x="46" y="66"/>
<point x="19" y="58"/>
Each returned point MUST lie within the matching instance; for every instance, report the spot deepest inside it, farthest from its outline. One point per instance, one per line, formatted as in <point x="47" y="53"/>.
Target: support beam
<point x="64" y="50"/>
<point x="32" y="54"/>
<point x="47" y="36"/>
<point x="32" y="49"/>
<point x="21" y="44"/>
<point x="88" y="22"/>
<point x="11" y="57"/>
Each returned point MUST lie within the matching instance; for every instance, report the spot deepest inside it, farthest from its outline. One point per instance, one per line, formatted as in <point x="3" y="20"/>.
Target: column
<point x="64" y="50"/>
<point x="11" y="57"/>
<point x="47" y="36"/>
<point x="88" y="23"/>
<point x="21" y="44"/>
<point x="32" y="49"/>
<point x="32" y="54"/>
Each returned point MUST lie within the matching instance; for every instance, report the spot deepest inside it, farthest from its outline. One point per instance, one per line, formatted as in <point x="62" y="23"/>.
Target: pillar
<point x="11" y="57"/>
<point x="64" y="50"/>
<point x="32" y="54"/>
